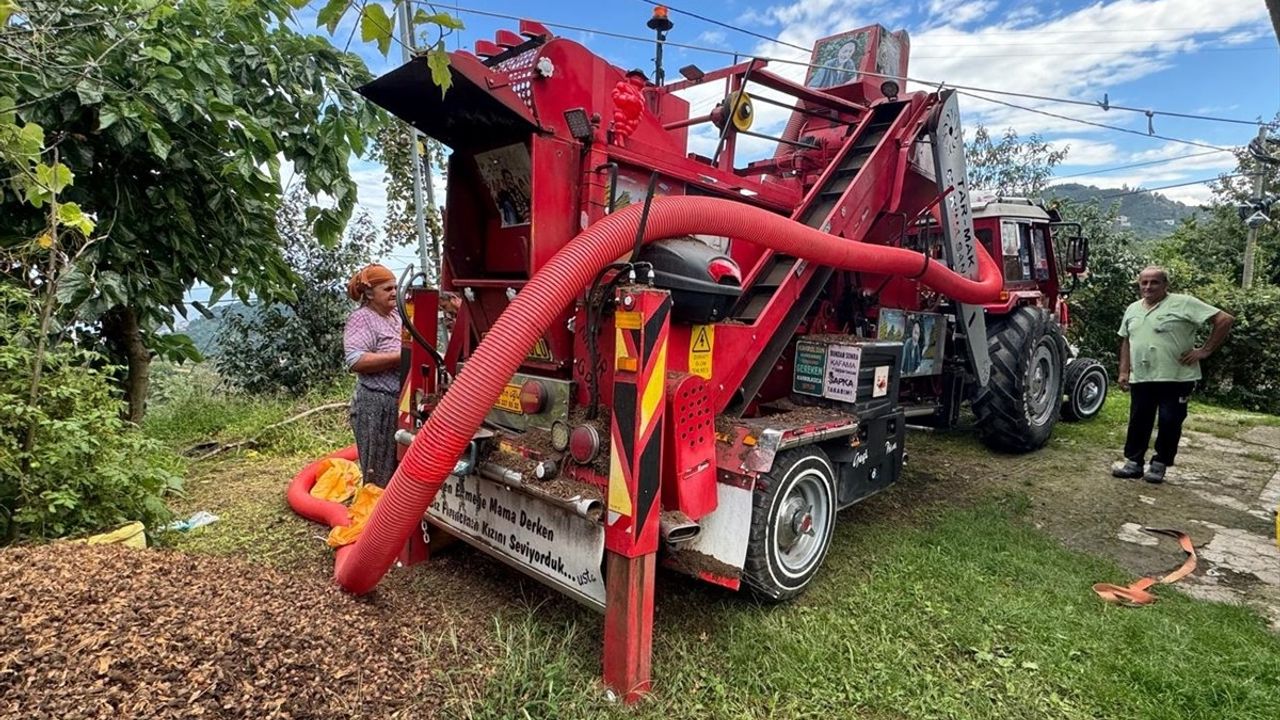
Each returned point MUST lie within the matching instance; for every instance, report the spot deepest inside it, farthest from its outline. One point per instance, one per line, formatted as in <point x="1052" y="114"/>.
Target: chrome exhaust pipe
<point x="676" y="528"/>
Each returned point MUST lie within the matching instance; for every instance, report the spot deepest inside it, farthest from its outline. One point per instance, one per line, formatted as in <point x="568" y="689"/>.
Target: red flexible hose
<point x="313" y="508"/>
<point x="442" y="440"/>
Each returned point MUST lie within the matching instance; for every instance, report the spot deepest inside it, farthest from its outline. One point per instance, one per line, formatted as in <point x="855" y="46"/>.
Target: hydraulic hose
<point x="313" y="508"/>
<point x="449" y="429"/>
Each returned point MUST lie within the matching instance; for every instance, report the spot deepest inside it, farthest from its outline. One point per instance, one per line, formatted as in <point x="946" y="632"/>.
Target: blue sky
<point x="1215" y="57"/>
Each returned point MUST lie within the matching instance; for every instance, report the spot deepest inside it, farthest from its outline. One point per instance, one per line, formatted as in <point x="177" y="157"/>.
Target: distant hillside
<point x="1148" y="215"/>
<point x="203" y="331"/>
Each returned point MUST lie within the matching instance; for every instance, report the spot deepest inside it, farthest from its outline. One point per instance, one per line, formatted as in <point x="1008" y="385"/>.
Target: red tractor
<point x="666" y="354"/>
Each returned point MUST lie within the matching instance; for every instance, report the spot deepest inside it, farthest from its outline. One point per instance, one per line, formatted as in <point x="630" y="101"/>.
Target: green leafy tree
<point x="400" y="228"/>
<point x="295" y="345"/>
<point x="174" y="120"/>
<point x="1011" y="165"/>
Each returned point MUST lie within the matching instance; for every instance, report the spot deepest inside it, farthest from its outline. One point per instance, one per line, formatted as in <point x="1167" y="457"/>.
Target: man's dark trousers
<point x="1168" y="400"/>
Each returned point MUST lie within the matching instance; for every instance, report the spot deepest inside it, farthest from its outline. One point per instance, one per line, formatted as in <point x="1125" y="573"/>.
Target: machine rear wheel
<point x="1086" y="388"/>
<point x="792" y="523"/>
<point x="1018" y="408"/>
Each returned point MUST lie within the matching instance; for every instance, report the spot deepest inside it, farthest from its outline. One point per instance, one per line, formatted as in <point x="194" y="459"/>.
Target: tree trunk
<point x="121" y="327"/>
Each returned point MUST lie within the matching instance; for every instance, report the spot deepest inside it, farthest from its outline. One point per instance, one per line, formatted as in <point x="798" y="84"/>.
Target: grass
<point x="195" y="408"/>
<point x="943" y="612"/>
<point x="975" y="615"/>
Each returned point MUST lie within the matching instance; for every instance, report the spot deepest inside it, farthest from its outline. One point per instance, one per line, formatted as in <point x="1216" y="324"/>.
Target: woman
<point x="912" y="351"/>
<point x="372" y="350"/>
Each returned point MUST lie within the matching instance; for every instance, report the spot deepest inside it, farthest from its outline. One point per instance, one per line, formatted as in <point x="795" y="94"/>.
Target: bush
<point x="296" y="346"/>
<point x="1098" y="305"/>
<point x="1245" y="371"/>
<point x="69" y="463"/>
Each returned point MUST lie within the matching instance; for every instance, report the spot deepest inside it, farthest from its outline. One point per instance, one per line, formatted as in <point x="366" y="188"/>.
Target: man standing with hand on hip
<point x="1159" y="366"/>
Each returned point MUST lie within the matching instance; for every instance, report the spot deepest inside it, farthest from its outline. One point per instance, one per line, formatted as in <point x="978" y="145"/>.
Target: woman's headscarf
<point x="368" y="276"/>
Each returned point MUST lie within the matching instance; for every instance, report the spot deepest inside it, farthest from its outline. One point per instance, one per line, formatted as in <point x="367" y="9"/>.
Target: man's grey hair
<point x="1163" y="273"/>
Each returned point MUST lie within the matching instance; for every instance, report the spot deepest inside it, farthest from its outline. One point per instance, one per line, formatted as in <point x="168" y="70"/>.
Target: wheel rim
<point x="1042" y="383"/>
<point x="799" y="527"/>
<point x="1091" y="391"/>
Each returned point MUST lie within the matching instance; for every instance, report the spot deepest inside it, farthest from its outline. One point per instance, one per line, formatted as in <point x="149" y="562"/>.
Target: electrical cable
<point x="1136" y="165"/>
<point x="934" y="83"/>
<point x="1169" y="187"/>
<point x="1116" y="128"/>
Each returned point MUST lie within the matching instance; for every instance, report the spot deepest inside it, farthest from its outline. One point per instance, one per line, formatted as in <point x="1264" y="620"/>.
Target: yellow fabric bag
<point x="337" y="480"/>
<point x="366" y="498"/>
<point x="133" y="535"/>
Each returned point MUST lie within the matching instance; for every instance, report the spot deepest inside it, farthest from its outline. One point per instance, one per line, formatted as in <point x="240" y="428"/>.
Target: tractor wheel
<point x="791" y="523"/>
<point x="1018" y="408"/>
<point x="1086" y="388"/>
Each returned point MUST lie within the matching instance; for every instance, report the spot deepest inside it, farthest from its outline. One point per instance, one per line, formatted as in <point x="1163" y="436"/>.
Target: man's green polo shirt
<point x="1161" y="335"/>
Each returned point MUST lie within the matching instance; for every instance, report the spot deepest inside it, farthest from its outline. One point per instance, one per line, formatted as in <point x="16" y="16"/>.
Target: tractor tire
<point x="1086" y="388"/>
<point x="1018" y="408"/>
<point x="792" y="522"/>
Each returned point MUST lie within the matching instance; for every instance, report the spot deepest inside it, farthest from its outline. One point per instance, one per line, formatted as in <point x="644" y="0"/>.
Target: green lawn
<point x="972" y="615"/>
<point x="954" y="607"/>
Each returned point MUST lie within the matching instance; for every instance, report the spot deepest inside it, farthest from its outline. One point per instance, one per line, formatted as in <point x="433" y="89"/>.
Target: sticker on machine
<point x="702" y="341"/>
<point x="843" y="364"/>
<point x="880" y="386"/>
<point x="550" y="543"/>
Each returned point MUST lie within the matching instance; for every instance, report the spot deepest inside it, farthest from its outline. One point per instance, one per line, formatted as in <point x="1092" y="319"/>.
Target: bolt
<point x="628" y="301"/>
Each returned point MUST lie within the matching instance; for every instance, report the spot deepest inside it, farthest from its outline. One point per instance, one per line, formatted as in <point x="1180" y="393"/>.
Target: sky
<point x="1218" y="58"/>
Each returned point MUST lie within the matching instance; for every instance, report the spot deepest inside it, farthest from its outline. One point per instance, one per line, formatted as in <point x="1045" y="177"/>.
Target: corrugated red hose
<point x="313" y="508"/>
<point x="442" y="440"/>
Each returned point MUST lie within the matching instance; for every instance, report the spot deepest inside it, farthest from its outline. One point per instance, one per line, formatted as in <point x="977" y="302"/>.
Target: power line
<point x="1169" y="187"/>
<point x="1137" y="165"/>
<point x="1116" y="128"/>
<point x="1030" y="96"/>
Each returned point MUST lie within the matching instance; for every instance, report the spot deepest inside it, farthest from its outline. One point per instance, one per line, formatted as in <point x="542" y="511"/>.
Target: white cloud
<point x="714" y="38"/>
<point x="960" y="13"/>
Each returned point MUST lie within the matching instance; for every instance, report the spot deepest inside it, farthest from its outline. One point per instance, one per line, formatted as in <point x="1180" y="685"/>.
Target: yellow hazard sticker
<point x="541" y="351"/>
<point x="509" y="400"/>
<point x="701" y="345"/>
<point x="627" y="319"/>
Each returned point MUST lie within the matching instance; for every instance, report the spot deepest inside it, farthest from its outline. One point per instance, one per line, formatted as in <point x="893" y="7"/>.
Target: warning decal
<point x="702" y="341"/>
<point x="541" y="351"/>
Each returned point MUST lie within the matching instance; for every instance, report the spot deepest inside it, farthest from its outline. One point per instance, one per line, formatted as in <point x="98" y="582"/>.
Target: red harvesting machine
<point x="696" y="359"/>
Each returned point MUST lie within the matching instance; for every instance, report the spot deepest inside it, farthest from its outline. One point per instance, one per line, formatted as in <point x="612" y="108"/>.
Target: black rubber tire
<point x="764" y="571"/>
<point x="1015" y="412"/>
<point x="1080" y="373"/>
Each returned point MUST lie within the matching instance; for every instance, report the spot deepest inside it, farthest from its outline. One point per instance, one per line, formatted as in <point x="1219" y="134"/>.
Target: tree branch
<point x="263" y="431"/>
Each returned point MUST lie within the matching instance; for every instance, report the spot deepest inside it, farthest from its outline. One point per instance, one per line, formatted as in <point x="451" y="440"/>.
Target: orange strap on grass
<point x="1137" y="594"/>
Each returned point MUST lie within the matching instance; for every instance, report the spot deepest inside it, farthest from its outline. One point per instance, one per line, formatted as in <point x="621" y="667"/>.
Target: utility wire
<point x="1116" y="128"/>
<point x="1169" y="187"/>
<point x="1137" y="165"/>
<point x="1030" y="96"/>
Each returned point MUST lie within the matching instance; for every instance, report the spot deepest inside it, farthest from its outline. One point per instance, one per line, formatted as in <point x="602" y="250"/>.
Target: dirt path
<point x="1223" y="493"/>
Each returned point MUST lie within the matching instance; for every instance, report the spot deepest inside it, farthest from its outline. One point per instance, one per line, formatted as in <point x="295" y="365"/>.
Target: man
<point x="1159" y="366"/>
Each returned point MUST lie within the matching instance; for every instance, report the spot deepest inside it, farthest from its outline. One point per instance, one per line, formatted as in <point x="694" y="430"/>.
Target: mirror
<point x="1077" y="254"/>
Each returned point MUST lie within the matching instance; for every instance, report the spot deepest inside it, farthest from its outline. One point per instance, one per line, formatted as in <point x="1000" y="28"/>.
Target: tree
<point x="296" y="344"/>
<point x="400" y="226"/>
<point x="1011" y="166"/>
<point x="174" y="121"/>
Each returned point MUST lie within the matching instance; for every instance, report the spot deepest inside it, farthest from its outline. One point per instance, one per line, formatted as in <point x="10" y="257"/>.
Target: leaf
<point x="200" y="308"/>
<point x="375" y="25"/>
<point x="72" y="216"/>
<point x="45" y="240"/>
<point x="444" y="20"/>
<point x="438" y="61"/>
<point x="31" y="139"/>
<point x="58" y="177"/>
<point x="106" y="118"/>
<point x="159" y="53"/>
<point x="89" y="91"/>
<point x="159" y="141"/>
<point x="7" y="115"/>
<point x="331" y="14"/>
<point x="6" y="9"/>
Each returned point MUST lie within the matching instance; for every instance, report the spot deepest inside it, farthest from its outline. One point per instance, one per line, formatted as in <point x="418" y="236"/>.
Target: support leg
<point x="628" y="625"/>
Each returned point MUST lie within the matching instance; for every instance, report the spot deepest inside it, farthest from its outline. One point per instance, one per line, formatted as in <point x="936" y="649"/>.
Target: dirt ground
<point x="1223" y="493"/>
